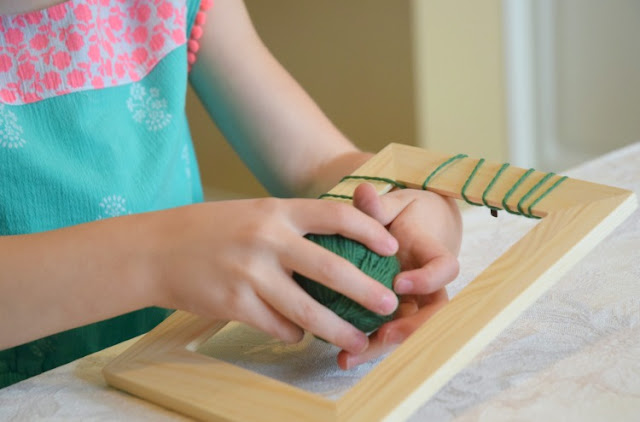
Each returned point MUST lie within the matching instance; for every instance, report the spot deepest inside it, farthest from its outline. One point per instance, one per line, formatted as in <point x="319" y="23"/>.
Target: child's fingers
<point x="376" y="347"/>
<point x="385" y="208"/>
<point x="331" y="217"/>
<point x="264" y="317"/>
<point x="302" y="310"/>
<point x="396" y="331"/>
<point x="391" y="334"/>
<point x="337" y="273"/>
<point x="432" y="276"/>
<point x="367" y="200"/>
<point x="347" y="360"/>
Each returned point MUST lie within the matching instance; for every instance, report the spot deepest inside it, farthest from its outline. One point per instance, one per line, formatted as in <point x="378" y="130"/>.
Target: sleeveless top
<point x="92" y="126"/>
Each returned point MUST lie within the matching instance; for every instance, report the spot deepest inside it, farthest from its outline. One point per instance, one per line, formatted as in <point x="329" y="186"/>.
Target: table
<point x="573" y="355"/>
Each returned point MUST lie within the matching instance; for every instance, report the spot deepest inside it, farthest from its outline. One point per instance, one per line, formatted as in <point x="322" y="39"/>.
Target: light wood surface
<point x="163" y="367"/>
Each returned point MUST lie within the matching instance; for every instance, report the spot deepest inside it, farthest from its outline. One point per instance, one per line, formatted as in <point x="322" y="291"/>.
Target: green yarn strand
<point x="332" y="195"/>
<point x="440" y="167"/>
<point x="378" y="179"/>
<point x="545" y="193"/>
<point x="468" y="182"/>
<point x="520" y="205"/>
<point x="490" y="186"/>
<point x="513" y="189"/>
<point x="531" y="191"/>
<point x="373" y="178"/>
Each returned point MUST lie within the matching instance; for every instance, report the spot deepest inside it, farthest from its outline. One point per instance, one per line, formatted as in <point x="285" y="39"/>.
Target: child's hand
<point x="428" y="228"/>
<point x="234" y="260"/>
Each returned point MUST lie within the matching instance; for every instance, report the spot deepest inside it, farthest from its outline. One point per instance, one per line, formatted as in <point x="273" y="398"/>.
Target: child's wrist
<point x="136" y="247"/>
<point x="159" y="236"/>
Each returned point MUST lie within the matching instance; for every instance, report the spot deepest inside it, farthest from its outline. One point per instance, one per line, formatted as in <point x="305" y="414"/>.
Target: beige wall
<point x="355" y="60"/>
<point x="460" y="90"/>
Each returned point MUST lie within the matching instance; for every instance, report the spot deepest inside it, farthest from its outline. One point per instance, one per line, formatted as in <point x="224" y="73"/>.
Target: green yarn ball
<point x="381" y="268"/>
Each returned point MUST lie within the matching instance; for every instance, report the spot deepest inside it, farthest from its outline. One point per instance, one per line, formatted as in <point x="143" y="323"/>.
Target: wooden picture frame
<point x="164" y="368"/>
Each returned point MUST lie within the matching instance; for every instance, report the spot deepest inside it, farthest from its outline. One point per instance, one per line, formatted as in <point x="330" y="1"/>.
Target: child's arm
<point x="223" y="260"/>
<point x="270" y="120"/>
<point x="66" y="278"/>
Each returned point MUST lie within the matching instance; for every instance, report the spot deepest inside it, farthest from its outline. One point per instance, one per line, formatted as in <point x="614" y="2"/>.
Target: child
<point x="102" y="222"/>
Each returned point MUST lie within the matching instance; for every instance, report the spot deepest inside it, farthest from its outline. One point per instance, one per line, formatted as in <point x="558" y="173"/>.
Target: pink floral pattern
<point x="79" y="45"/>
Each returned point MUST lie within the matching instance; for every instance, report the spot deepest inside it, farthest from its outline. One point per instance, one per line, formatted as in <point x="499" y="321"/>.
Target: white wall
<point x="598" y="74"/>
<point x="575" y="92"/>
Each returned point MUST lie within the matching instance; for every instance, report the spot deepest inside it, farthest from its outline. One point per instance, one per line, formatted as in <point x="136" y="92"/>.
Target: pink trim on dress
<point x="80" y="45"/>
<point x="193" y="45"/>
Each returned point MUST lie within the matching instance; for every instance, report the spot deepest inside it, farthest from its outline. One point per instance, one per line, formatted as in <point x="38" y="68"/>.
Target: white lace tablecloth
<point x="573" y="355"/>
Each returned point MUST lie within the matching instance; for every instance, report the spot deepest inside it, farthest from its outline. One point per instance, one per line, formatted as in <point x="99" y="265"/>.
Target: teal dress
<point x="92" y="126"/>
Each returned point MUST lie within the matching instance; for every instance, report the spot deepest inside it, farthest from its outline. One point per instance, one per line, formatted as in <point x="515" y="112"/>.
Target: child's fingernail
<point x="393" y="337"/>
<point x="403" y="286"/>
<point x="392" y="245"/>
<point x="349" y="362"/>
<point x="388" y="304"/>
<point x="359" y="343"/>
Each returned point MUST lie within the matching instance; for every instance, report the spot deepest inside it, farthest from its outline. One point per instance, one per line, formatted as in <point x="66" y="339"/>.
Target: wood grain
<point x="161" y="369"/>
